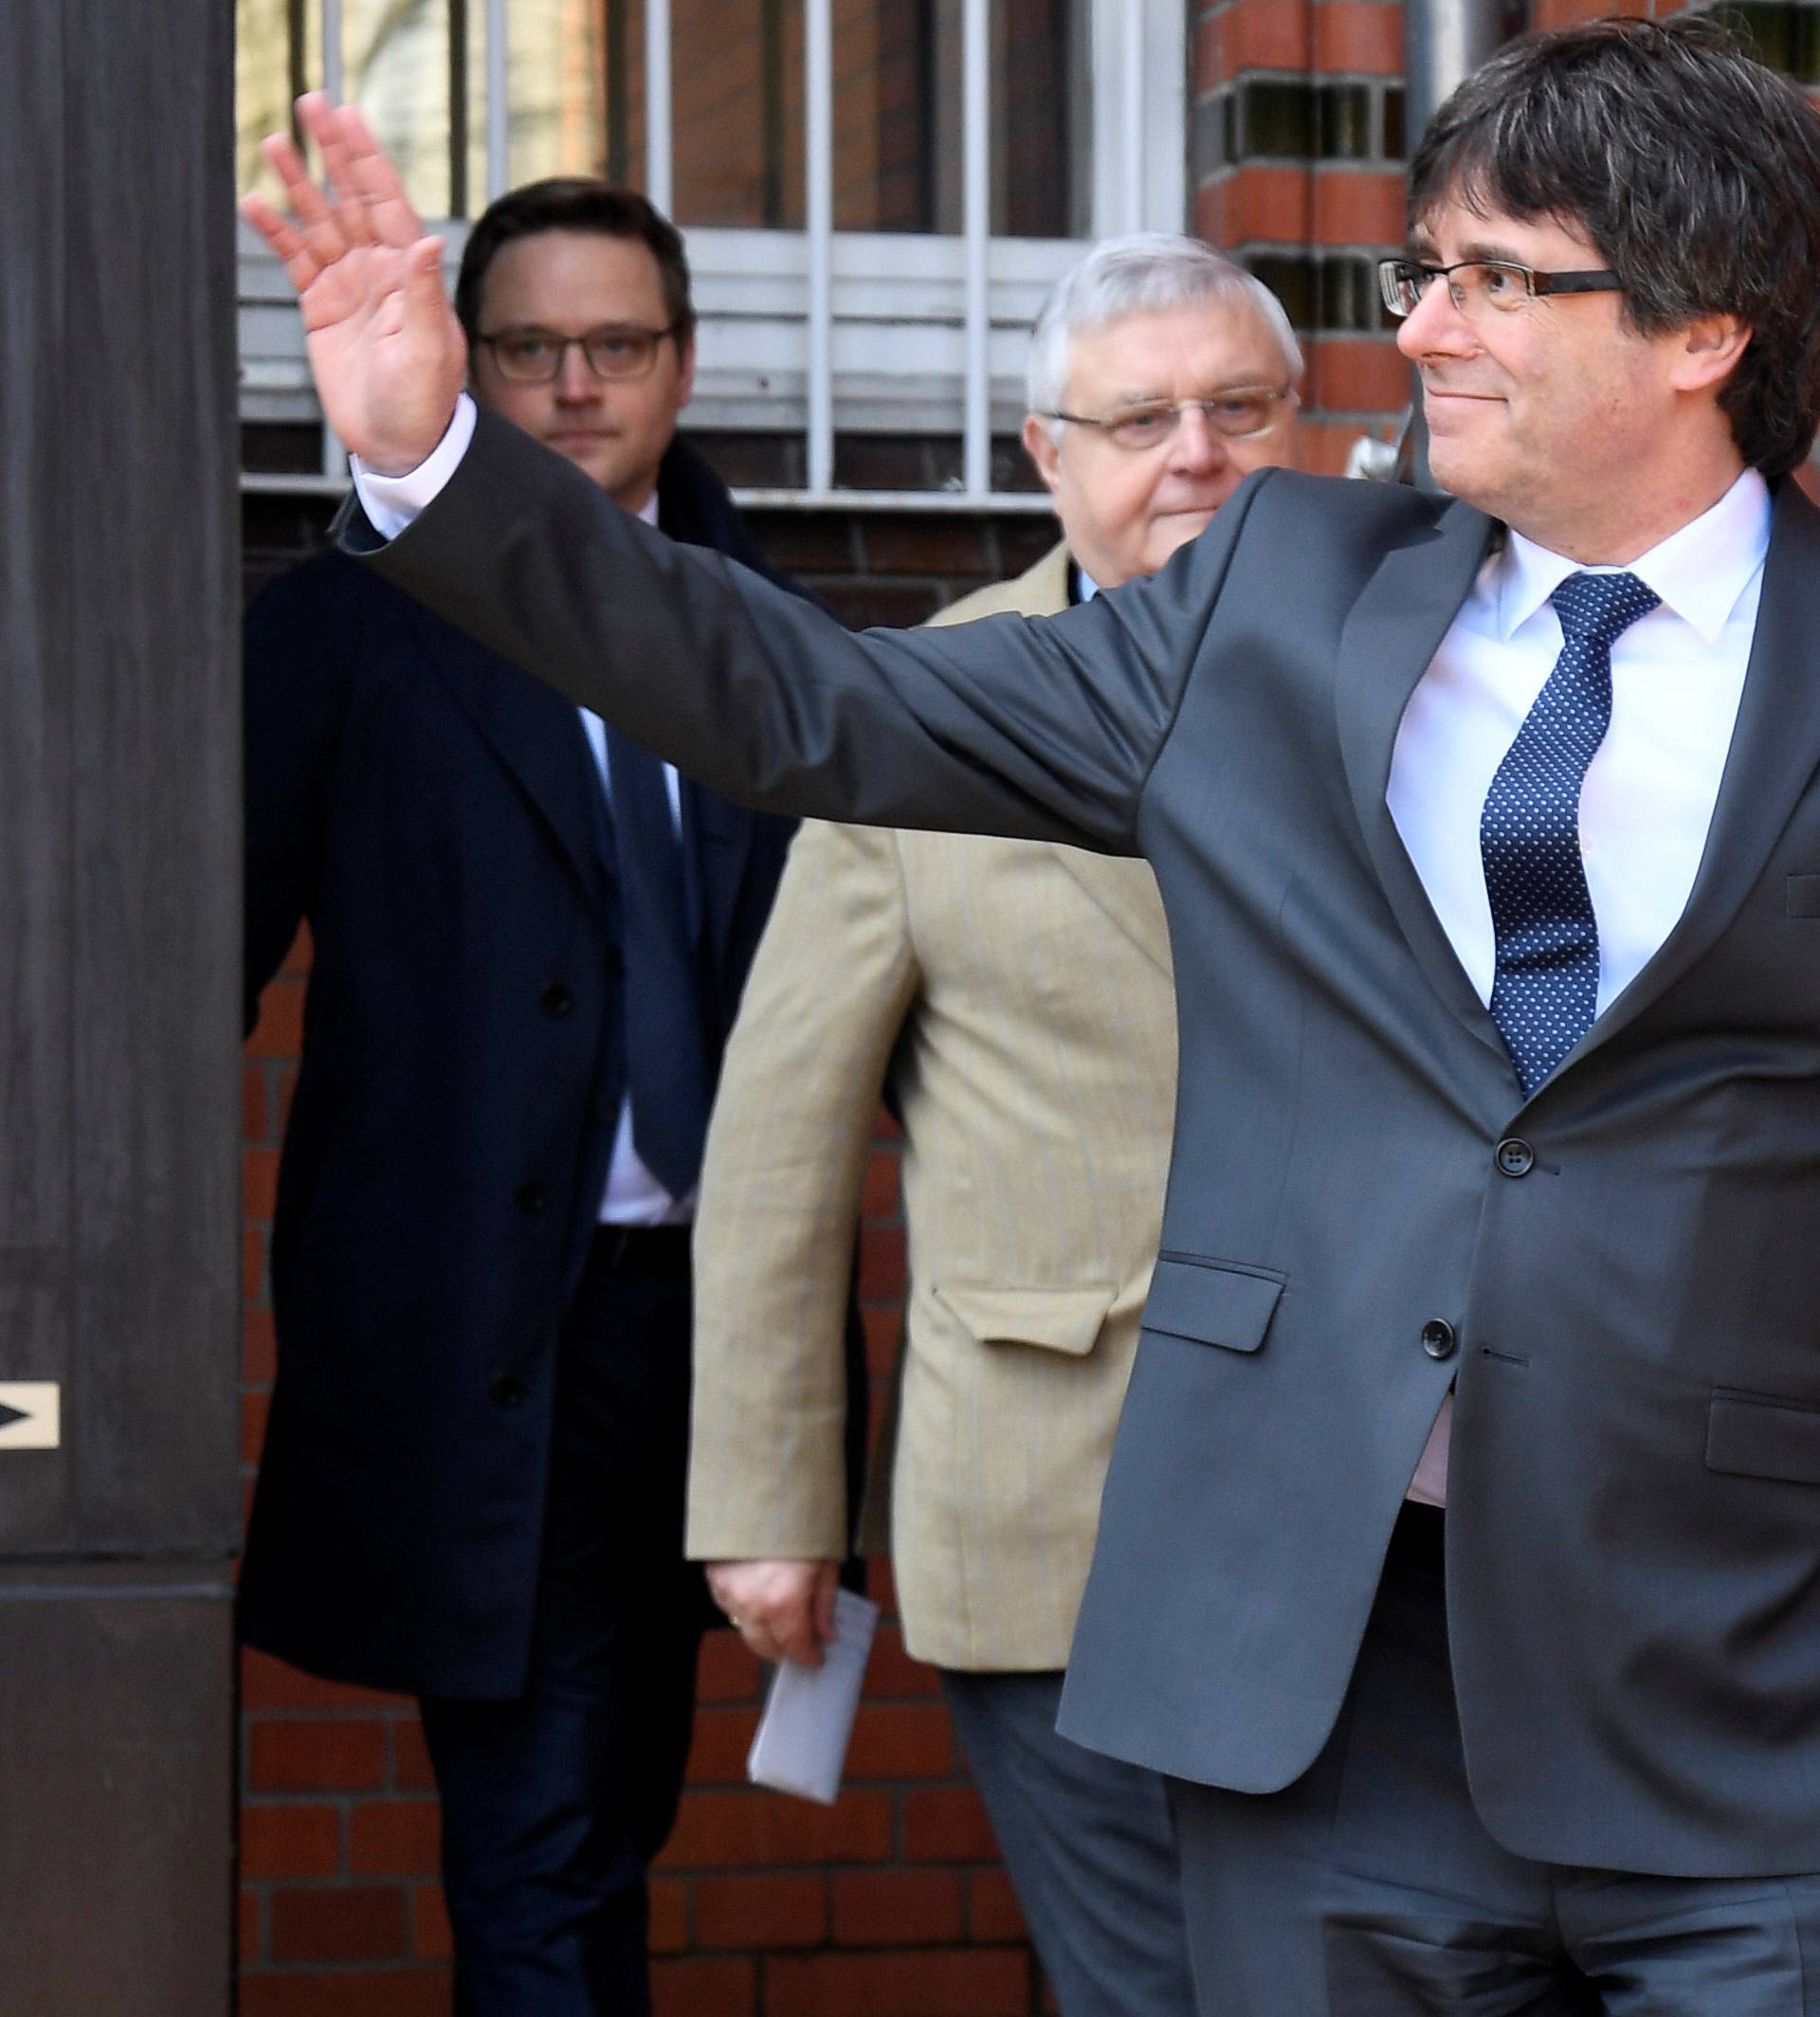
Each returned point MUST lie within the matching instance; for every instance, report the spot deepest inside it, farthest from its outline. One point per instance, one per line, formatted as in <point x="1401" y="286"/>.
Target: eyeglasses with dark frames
<point x="1484" y="286"/>
<point x="1241" y="414"/>
<point x="616" y="350"/>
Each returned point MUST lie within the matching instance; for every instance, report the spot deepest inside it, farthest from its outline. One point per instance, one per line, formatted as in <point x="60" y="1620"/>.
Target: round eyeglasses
<point x="616" y="350"/>
<point x="1484" y="286"/>
<point x="1241" y="414"/>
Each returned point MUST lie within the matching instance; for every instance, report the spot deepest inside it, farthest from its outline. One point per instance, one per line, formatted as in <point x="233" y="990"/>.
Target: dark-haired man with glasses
<point x="582" y="336"/>
<point x="529" y="938"/>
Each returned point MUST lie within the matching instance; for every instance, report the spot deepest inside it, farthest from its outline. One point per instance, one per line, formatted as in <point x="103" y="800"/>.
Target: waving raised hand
<point x="385" y="348"/>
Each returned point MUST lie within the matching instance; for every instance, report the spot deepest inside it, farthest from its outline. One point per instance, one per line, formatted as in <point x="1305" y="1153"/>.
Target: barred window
<point x="876" y="193"/>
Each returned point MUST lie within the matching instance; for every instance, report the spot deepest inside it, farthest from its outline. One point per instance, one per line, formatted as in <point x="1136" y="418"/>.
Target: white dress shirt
<point x="391" y="503"/>
<point x="1677" y="677"/>
<point x="633" y="1196"/>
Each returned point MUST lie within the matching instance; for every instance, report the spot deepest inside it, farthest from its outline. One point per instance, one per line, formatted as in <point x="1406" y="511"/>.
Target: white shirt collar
<point x="648" y="511"/>
<point x="1699" y="572"/>
<point x="1086" y="588"/>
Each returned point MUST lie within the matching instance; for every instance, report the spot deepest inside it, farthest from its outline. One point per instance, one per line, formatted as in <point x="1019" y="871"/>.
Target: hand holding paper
<point x="802" y="1740"/>
<point x="783" y="1608"/>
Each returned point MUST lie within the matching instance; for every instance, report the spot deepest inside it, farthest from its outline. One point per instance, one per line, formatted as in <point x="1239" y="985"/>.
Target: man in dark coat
<point x="529" y="942"/>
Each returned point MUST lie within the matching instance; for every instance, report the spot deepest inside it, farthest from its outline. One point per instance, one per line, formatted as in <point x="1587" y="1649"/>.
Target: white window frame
<point x="819" y="331"/>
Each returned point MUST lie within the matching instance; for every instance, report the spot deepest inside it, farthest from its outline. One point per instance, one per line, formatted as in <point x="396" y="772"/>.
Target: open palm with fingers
<point x="386" y="351"/>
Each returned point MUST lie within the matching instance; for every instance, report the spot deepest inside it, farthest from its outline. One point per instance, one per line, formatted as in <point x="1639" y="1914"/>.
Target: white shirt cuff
<point x="391" y="503"/>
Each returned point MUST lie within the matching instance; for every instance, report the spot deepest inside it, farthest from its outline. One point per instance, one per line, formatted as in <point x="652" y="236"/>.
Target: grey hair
<point x="1143" y="273"/>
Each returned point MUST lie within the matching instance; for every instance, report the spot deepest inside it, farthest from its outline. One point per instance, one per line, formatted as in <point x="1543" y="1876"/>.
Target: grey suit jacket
<point x="1629" y="1307"/>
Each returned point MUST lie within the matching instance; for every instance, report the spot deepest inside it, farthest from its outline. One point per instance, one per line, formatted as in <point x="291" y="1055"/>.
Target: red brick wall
<point x="1297" y="161"/>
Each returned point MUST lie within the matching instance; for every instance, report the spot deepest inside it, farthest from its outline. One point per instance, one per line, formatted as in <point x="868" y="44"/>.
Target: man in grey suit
<point x="1488" y="832"/>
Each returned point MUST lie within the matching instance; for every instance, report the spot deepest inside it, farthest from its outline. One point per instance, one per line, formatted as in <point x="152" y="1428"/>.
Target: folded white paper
<point x="801" y="1743"/>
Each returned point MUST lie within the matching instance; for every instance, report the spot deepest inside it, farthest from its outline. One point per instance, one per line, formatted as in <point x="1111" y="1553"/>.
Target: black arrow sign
<point x="10" y="1415"/>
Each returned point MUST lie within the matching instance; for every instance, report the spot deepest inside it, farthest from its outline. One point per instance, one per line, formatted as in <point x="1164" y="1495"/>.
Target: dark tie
<point x="666" y="1069"/>
<point x="1547" y="983"/>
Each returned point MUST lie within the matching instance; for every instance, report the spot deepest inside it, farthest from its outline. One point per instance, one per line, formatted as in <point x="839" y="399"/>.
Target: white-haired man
<point x="1015" y="1000"/>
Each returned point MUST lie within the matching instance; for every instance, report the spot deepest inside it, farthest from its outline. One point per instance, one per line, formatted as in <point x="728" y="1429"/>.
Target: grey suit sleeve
<point x="1034" y="729"/>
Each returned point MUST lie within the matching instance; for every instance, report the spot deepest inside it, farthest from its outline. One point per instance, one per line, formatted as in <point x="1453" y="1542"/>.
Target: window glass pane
<point x="398" y="70"/>
<point x="265" y="85"/>
<point x="1041" y="107"/>
<point x="737" y="110"/>
<point x="560" y="91"/>
<point x="897" y="139"/>
<point x="401" y="65"/>
<point x="418" y="68"/>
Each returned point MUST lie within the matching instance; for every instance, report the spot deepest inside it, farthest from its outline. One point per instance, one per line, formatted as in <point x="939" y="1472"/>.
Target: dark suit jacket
<point x="434" y="814"/>
<point x="1632" y="1308"/>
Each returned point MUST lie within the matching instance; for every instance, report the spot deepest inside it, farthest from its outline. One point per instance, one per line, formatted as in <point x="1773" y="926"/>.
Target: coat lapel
<point x="1393" y="631"/>
<point x="536" y="735"/>
<point x="540" y="738"/>
<point x="718" y="837"/>
<point x="1770" y="764"/>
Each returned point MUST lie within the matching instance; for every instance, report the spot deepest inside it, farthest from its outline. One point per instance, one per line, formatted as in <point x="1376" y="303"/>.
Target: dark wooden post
<point x="118" y="942"/>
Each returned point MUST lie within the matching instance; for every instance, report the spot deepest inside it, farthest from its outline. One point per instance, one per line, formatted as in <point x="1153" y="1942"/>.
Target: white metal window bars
<point x="1138" y="179"/>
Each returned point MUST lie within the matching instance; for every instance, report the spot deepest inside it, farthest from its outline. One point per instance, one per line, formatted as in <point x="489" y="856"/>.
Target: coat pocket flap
<point x="1763" y="1439"/>
<point x="1212" y="1302"/>
<point x="1066" y="1321"/>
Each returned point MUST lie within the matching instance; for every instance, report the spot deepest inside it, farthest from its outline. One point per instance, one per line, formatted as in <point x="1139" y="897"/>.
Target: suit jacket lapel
<point x="536" y="735"/>
<point x="1770" y="763"/>
<point x="1392" y="633"/>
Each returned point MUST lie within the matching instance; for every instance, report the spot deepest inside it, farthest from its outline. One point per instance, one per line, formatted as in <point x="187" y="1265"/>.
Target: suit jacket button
<point x="531" y="1196"/>
<point x="1515" y="1156"/>
<point x="556" y="999"/>
<point x="1437" y="1337"/>
<point x="506" y="1392"/>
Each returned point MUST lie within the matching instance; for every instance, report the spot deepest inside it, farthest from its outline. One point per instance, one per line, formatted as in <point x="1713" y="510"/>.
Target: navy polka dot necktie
<point x="1547" y="983"/>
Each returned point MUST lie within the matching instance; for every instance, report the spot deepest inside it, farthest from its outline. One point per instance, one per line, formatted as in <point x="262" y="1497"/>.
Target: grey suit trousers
<point x="1089" y="1845"/>
<point x="1371" y="1888"/>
